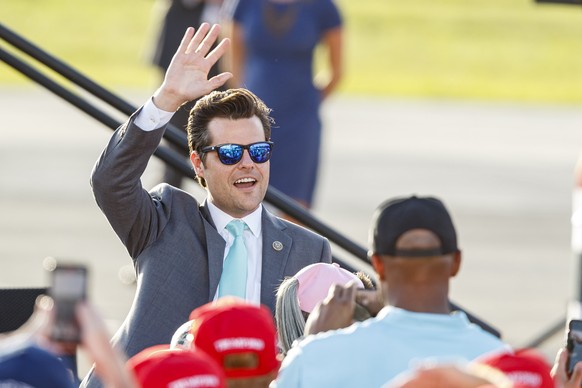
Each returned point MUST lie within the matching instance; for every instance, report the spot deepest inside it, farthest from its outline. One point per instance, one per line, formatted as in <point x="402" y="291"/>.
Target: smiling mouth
<point x="244" y="183"/>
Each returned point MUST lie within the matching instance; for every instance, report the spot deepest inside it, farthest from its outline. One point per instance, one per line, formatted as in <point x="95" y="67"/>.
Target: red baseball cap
<point x="526" y="368"/>
<point x="212" y="307"/>
<point x="158" y="367"/>
<point x="227" y="330"/>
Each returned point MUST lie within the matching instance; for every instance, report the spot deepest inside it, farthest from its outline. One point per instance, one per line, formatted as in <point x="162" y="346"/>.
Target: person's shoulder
<point x="329" y="13"/>
<point x="295" y="228"/>
<point x="49" y="370"/>
<point x="479" y="335"/>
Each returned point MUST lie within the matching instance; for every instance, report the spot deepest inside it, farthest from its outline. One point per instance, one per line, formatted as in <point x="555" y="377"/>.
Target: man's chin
<point x="247" y="207"/>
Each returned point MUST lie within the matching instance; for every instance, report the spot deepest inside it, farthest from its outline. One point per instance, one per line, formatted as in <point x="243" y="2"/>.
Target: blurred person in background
<point x="30" y="358"/>
<point x="272" y="54"/>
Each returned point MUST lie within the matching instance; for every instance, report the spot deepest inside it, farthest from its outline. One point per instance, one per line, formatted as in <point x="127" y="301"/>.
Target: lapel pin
<point x="277" y="245"/>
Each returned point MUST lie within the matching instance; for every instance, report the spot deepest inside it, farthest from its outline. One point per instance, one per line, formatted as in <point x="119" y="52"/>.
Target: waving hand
<point x="187" y="76"/>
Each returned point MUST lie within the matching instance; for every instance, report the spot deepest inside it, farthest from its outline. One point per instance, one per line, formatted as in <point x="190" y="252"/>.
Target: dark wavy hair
<point x="232" y="104"/>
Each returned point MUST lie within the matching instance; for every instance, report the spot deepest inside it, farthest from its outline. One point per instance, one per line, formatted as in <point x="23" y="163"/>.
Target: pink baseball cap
<point x="315" y="281"/>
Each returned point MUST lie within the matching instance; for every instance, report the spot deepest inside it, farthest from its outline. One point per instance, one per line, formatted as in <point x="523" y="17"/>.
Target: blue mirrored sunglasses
<point x="229" y="154"/>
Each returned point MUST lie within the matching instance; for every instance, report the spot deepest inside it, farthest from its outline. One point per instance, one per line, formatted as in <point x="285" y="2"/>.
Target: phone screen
<point x="574" y="344"/>
<point x="69" y="285"/>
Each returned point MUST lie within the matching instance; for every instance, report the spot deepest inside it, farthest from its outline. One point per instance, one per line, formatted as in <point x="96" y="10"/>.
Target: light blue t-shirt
<point x="370" y="353"/>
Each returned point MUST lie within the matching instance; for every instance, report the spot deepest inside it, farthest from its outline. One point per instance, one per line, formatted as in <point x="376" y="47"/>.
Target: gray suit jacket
<point x="175" y="247"/>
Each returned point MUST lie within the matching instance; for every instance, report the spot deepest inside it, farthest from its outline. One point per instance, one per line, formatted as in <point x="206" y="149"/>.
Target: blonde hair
<point x="288" y="314"/>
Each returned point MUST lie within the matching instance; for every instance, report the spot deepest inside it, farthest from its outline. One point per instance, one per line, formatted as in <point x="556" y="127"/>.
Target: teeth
<point x="245" y="180"/>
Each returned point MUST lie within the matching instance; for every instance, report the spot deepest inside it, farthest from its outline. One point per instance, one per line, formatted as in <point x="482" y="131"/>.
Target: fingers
<point x="196" y="39"/>
<point x="559" y="372"/>
<point x="199" y="41"/>
<point x="186" y="40"/>
<point x="366" y="297"/>
<point x="219" y="80"/>
<point x="342" y="294"/>
<point x="209" y="40"/>
<point x="312" y="325"/>
<point x="559" y="368"/>
<point x="371" y="300"/>
<point x="218" y="51"/>
<point x="203" y="39"/>
<point x="186" y="78"/>
<point x="109" y="362"/>
<point x="350" y="291"/>
<point x="576" y="378"/>
<point x="334" y="312"/>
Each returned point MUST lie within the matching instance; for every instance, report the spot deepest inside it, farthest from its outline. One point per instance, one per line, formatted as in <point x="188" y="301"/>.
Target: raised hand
<point x="187" y="76"/>
<point x="335" y="312"/>
<point x="559" y="374"/>
<point x="109" y="361"/>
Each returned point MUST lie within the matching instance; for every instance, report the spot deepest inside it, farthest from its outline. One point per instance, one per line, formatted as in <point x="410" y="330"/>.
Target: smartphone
<point x="68" y="288"/>
<point x="574" y="344"/>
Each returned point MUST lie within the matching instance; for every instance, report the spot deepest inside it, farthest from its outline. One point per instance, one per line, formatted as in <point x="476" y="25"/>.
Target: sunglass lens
<point x="260" y="152"/>
<point x="230" y="153"/>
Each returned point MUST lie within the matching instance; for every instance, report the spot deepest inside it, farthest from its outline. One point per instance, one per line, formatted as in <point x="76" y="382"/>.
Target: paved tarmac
<point x="504" y="170"/>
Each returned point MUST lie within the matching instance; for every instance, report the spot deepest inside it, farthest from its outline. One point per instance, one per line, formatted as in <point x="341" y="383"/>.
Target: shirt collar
<point x="221" y="219"/>
<point x="392" y="311"/>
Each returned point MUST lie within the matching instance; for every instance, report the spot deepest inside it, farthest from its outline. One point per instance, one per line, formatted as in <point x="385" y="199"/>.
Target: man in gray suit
<point x="178" y="245"/>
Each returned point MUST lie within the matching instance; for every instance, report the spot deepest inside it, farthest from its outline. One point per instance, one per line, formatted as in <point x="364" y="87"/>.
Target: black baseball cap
<point x="399" y="215"/>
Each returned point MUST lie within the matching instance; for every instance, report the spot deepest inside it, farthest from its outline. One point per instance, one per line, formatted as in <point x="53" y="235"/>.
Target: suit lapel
<point x="215" y="246"/>
<point x="276" y="248"/>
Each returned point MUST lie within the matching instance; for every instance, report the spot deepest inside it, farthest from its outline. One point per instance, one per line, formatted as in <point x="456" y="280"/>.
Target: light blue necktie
<point x="234" y="269"/>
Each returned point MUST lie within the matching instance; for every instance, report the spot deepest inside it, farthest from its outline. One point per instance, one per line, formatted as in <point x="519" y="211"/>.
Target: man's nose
<point x="246" y="160"/>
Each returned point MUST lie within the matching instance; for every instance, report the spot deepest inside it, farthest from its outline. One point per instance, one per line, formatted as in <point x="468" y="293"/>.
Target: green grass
<point x="106" y="39"/>
<point x="471" y="49"/>
<point x="485" y="49"/>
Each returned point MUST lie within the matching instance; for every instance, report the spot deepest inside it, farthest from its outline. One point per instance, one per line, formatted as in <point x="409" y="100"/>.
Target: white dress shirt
<point x="253" y="237"/>
<point x="151" y="117"/>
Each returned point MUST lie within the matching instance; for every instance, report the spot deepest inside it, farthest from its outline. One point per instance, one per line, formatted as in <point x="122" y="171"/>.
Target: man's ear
<point x="197" y="164"/>
<point x="378" y="265"/>
<point x="456" y="266"/>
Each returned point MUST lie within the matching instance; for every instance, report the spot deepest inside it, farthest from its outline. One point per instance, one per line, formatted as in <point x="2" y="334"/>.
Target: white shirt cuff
<point x="151" y="117"/>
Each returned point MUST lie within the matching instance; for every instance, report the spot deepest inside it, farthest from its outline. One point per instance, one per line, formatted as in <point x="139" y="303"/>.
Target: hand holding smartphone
<point x="68" y="288"/>
<point x="574" y="345"/>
